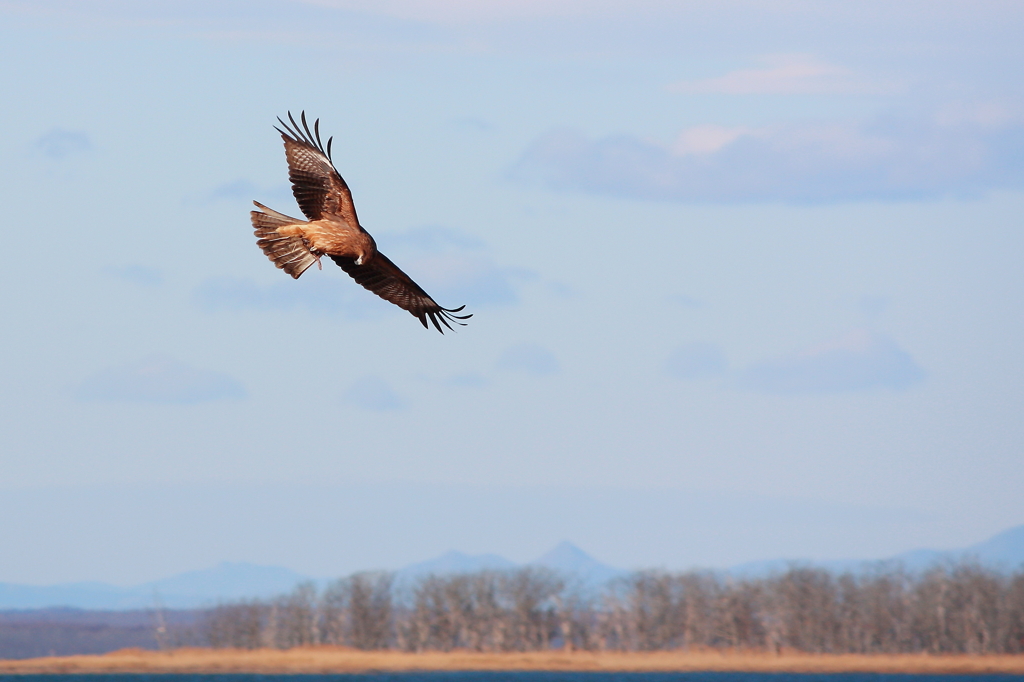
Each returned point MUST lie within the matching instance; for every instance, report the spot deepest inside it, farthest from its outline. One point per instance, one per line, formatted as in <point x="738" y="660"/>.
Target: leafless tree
<point x="959" y="607"/>
<point x="652" y="602"/>
<point x="430" y="624"/>
<point x="357" y="611"/>
<point x="737" y="623"/>
<point x="296" y="618"/>
<point x="1012" y="616"/>
<point x="238" y="626"/>
<point x="804" y="601"/>
<point x="530" y="613"/>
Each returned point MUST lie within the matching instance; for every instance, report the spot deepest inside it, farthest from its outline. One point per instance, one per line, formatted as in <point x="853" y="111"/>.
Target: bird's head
<point x="367" y="249"/>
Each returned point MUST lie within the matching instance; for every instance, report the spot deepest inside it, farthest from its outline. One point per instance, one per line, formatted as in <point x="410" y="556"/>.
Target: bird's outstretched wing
<point x="318" y="187"/>
<point x="385" y="279"/>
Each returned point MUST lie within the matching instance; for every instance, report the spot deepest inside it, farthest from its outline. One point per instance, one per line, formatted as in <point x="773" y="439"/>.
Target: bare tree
<point x="653" y="603"/>
<point x="701" y="601"/>
<point x="804" y="601"/>
<point x="296" y="617"/>
<point x="1012" y="616"/>
<point x="358" y="611"/>
<point x="238" y="626"/>
<point x="738" y="623"/>
<point x="530" y="613"/>
<point x="959" y="607"/>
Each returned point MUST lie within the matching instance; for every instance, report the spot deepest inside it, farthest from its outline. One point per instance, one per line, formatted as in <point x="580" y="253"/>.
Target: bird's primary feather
<point x="317" y="185"/>
<point x="387" y="280"/>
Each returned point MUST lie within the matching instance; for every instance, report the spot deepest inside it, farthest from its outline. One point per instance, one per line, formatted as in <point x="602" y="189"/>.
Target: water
<point x="532" y="676"/>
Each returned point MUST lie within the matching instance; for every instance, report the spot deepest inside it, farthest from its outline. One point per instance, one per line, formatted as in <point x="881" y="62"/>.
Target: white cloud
<point x="788" y="74"/>
<point x="453" y="267"/>
<point x="159" y="379"/>
<point x="243" y="191"/>
<point x="275" y="20"/>
<point x="467" y="380"/>
<point x="858" y="361"/>
<point x="529" y="358"/>
<point x="236" y="189"/>
<point x="430" y="239"/>
<point x="872" y="305"/>
<point x="706" y="139"/>
<point x="653" y="28"/>
<point x="59" y="144"/>
<point x="322" y="295"/>
<point x="463" y="279"/>
<point x="697" y="360"/>
<point x="374" y="394"/>
<point x="470" y="11"/>
<point x="142" y="275"/>
<point x="686" y="301"/>
<point x="985" y="114"/>
<point x="882" y="159"/>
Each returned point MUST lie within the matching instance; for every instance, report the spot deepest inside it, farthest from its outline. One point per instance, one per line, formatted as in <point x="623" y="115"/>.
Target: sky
<point x="745" y="281"/>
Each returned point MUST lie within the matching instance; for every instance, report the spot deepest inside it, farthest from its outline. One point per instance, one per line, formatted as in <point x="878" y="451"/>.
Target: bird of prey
<point x="334" y="230"/>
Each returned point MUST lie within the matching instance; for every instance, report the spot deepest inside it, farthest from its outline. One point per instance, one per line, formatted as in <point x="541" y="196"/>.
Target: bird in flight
<point x="334" y="230"/>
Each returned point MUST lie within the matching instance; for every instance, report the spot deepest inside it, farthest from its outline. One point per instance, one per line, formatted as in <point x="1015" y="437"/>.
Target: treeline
<point x="961" y="608"/>
<point x="28" y="633"/>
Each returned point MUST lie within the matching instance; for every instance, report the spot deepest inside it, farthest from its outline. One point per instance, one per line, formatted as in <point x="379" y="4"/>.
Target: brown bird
<point x="334" y="230"/>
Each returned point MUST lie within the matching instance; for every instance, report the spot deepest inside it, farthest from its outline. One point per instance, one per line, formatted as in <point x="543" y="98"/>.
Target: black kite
<point x="334" y="230"/>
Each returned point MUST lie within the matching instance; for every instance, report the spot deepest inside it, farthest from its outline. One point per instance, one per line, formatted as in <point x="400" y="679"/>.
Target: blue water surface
<point x="531" y="676"/>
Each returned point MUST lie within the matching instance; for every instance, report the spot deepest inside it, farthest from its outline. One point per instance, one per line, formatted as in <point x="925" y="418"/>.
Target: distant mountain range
<point x="234" y="581"/>
<point x="1002" y="552"/>
<point x="565" y="558"/>
<point x="226" y="582"/>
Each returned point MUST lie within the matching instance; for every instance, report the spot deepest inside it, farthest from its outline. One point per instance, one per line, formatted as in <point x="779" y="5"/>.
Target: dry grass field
<point x="339" y="660"/>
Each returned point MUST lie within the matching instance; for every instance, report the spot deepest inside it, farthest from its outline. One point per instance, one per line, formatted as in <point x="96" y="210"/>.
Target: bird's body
<point x="333" y="230"/>
<point x="333" y="237"/>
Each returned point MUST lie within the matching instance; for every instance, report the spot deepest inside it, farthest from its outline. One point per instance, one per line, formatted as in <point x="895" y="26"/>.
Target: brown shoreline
<point x="319" y="660"/>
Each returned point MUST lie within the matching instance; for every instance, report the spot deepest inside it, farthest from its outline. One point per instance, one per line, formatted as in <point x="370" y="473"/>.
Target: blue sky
<point x="745" y="279"/>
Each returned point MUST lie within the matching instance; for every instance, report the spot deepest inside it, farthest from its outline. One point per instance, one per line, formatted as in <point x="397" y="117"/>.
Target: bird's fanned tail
<point x="288" y="253"/>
